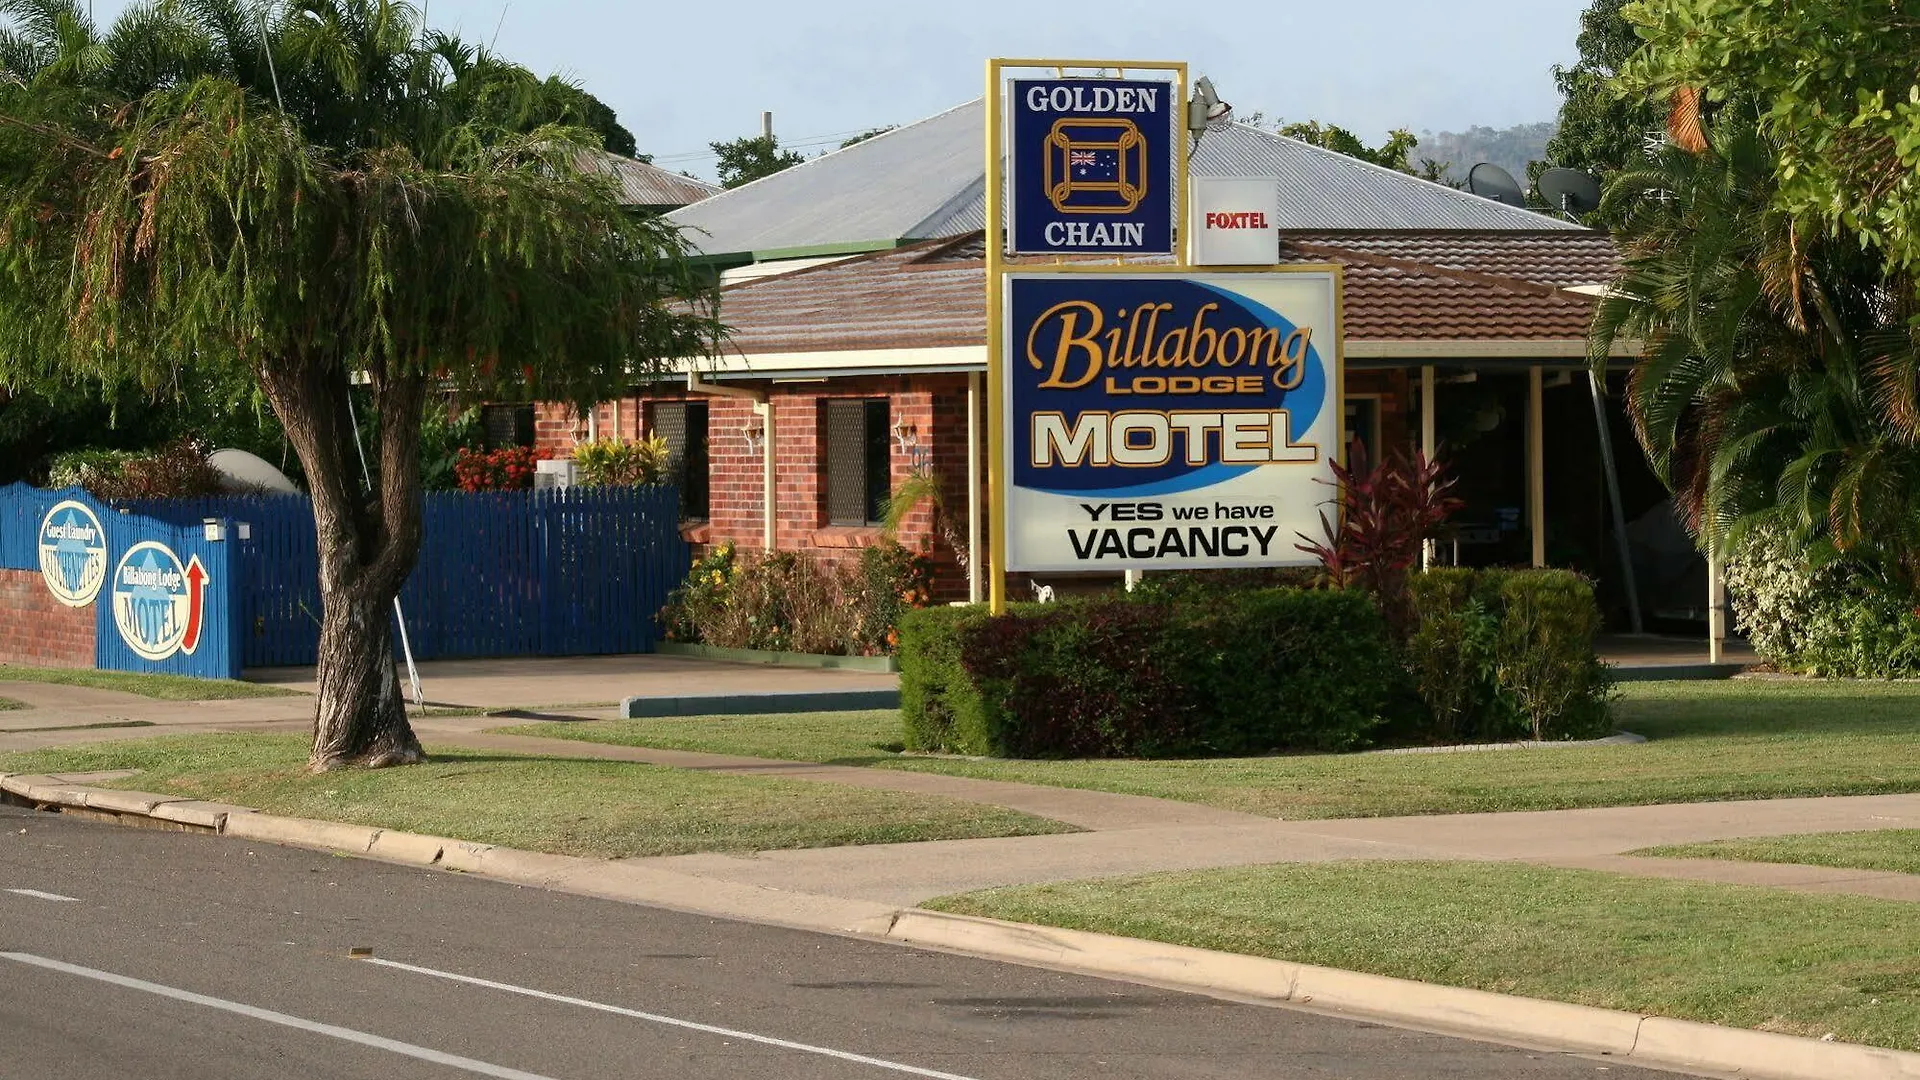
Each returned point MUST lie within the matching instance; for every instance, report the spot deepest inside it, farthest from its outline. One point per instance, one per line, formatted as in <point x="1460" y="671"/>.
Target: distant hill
<point x="1510" y="148"/>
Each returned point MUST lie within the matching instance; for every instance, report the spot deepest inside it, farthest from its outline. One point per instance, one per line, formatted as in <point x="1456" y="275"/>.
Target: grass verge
<point x="1738" y="739"/>
<point x="1722" y="954"/>
<point x="607" y="809"/>
<point x="162" y="687"/>
<point x="1896" y="850"/>
<point x="8" y="704"/>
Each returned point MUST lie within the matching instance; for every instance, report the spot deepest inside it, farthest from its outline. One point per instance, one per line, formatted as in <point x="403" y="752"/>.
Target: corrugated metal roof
<point x="1321" y="189"/>
<point x="877" y="191"/>
<point x="925" y="181"/>
<point x="650" y="186"/>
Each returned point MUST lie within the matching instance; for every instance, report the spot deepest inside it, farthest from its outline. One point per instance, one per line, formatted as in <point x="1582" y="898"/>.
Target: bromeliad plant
<point x="614" y="462"/>
<point x="1384" y="514"/>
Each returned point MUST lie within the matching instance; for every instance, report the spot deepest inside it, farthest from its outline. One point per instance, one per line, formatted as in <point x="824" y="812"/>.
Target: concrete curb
<point x="1648" y="1040"/>
<point x="796" y="701"/>
<point x="878" y="664"/>
<point x="1641" y="1039"/>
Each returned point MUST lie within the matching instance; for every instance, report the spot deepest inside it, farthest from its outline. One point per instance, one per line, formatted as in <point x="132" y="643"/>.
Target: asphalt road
<point x="203" y="958"/>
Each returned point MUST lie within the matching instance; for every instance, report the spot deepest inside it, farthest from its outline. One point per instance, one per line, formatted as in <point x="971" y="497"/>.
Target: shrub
<point x="622" y="462"/>
<point x="1247" y="672"/>
<point x="792" y="602"/>
<point x="1182" y="584"/>
<point x="699" y="601"/>
<point x="1545" y="656"/>
<point x="1385" y="513"/>
<point x="178" y="470"/>
<point x="939" y="703"/>
<point x="444" y="434"/>
<point x="1805" y="608"/>
<point x="507" y="469"/>
<point x="888" y="582"/>
<point x="1497" y="655"/>
<point x="1452" y="655"/>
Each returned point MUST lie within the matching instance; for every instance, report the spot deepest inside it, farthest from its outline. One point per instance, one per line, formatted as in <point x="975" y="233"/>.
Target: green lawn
<point x="163" y="687"/>
<point x="1735" y="739"/>
<point x="1723" y="954"/>
<point x="608" y="809"/>
<point x="1897" y="850"/>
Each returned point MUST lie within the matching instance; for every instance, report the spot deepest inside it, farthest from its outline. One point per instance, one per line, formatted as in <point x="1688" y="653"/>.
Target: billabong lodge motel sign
<point x="1145" y="417"/>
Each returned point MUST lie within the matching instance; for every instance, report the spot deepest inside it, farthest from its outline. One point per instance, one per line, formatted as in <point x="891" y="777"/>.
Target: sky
<point x="687" y="73"/>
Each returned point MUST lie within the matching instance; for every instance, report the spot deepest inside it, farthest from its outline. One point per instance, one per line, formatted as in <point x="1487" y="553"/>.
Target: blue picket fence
<point x="549" y="573"/>
<point x="569" y="572"/>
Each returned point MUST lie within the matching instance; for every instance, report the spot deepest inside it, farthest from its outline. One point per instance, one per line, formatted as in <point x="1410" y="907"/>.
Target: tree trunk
<point x="361" y="717"/>
<point x="367" y="544"/>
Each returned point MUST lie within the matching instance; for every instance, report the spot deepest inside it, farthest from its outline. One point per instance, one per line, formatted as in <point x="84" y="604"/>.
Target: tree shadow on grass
<point x="1783" y="709"/>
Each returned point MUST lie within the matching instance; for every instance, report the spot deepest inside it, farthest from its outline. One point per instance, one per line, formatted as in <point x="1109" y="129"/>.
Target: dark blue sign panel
<point x="1091" y="166"/>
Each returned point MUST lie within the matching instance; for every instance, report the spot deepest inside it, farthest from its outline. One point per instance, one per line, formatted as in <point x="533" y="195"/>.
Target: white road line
<point x="38" y="895"/>
<point x="419" y="1053"/>
<point x="656" y="1018"/>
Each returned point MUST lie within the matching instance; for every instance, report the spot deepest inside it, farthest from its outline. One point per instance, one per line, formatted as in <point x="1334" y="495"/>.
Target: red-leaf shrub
<point x="1385" y="512"/>
<point x="507" y="469"/>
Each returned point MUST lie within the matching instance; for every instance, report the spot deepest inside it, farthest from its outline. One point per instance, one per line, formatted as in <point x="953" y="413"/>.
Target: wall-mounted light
<point x="906" y="439"/>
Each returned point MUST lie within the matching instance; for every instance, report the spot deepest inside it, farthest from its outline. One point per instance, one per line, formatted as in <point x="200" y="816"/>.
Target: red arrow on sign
<point x="196" y="604"/>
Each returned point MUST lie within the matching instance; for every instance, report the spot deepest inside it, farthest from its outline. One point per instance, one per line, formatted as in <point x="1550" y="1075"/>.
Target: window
<point x="684" y="425"/>
<point x="507" y="425"/>
<point x="859" y="465"/>
<point x="1363" y="427"/>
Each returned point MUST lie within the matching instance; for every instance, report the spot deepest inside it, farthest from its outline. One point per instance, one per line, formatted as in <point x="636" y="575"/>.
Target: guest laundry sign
<point x="1092" y="166"/>
<point x="1168" y="420"/>
<point x="73" y="553"/>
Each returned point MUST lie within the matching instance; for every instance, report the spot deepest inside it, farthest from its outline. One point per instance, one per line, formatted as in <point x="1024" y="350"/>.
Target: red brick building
<point x="855" y="293"/>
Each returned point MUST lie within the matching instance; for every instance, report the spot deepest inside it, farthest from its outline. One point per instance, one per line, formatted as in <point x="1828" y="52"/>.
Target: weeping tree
<point x="317" y="194"/>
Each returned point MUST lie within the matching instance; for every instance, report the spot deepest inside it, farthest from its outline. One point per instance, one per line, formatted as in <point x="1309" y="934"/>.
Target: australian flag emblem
<point x="1096" y="165"/>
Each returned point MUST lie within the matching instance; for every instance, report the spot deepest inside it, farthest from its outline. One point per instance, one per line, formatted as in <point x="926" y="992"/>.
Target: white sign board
<point x="1169" y="420"/>
<point x="1233" y="221"/>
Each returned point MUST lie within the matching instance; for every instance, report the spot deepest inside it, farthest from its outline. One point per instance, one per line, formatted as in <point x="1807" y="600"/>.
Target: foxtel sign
<point x="1169" y="420"/>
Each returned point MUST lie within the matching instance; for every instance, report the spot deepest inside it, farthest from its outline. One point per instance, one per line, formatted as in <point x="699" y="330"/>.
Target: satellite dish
<point x="1570" y="191"/>
<point x="244" y="472"/>
<point x="1490" y="181"/>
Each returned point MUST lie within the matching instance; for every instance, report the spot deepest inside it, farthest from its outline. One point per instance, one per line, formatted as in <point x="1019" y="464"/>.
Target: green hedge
<point x="1215" y="672"/>
<point x="1507" y="654"/>
<point x="1212" y="669"/>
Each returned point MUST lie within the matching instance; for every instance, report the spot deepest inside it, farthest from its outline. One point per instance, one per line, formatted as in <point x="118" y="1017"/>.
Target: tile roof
<point x="925" y="180"/>
<point x="1488" y="288"/>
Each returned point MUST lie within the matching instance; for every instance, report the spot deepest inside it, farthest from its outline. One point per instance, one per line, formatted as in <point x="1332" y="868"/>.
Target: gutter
<point x="762" y="407"/>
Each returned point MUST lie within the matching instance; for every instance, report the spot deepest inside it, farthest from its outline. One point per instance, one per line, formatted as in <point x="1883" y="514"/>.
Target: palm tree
<point x="312" y="193"/>
<point x="1771" y="354"/>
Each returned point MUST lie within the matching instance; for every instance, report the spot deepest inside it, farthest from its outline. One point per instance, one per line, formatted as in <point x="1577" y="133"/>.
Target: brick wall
<point x="934" y="407"/>
<point x="36" y="629"/>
